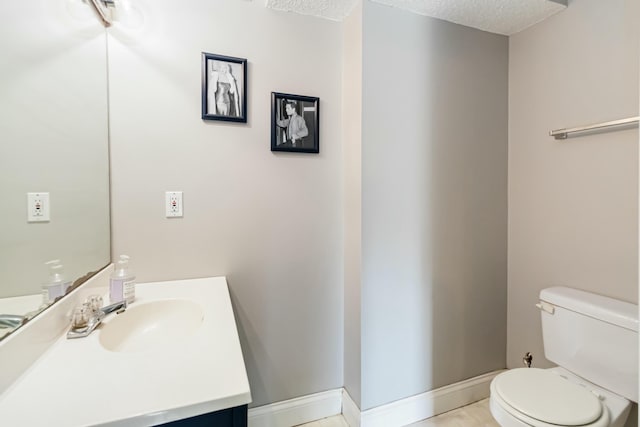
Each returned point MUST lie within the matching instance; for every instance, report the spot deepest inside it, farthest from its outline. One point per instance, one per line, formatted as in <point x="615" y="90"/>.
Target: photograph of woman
<point x="223" y="91"/>
<point x="223" y="95"/>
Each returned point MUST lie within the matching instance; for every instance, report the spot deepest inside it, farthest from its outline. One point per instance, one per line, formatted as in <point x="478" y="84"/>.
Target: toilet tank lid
<point x="620" y="313"/>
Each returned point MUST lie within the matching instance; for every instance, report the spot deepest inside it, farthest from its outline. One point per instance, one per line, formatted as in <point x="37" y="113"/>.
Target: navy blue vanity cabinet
<point x="232" y="417"/>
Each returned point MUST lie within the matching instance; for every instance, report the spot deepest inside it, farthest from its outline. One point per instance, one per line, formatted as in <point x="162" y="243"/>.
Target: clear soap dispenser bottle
<point x="122" y="282"/>
<point x="57" y="284"/>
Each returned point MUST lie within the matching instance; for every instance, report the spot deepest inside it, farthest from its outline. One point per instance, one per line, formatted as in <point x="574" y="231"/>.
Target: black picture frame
<point x="283" y="138"/>
<point x="224" y="93"/>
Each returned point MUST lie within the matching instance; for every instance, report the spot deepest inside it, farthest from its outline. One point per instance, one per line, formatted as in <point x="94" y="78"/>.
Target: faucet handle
<point x="81" y="315"/>
<point x="95" y="303"/>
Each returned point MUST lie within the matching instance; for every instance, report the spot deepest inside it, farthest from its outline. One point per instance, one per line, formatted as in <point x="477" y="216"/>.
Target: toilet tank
<point x="593" y="336"/>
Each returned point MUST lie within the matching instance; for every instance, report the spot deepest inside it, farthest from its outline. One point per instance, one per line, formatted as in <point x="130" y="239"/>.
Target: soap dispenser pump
<point x="57" y="284"/>
<point x="122" y="282"/>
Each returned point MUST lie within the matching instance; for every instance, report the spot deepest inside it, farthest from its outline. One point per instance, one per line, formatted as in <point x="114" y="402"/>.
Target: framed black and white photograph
<point x="224" y="88"/>
<point x="295" y="123"/>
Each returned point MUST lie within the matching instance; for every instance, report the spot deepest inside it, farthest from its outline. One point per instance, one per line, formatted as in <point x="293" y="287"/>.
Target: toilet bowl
<point x="551" y="398"/>
<point x="594" y="341"/>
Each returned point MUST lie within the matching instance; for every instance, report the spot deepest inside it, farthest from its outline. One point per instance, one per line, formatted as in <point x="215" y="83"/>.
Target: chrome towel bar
<point x="564" y="133"/>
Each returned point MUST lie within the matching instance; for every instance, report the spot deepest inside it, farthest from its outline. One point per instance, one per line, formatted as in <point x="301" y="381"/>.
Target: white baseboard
<point x="396" y="414"/>
<point x="429" y="404"/>
<point x="297" y="411"/>
<point x="350" y="411"/>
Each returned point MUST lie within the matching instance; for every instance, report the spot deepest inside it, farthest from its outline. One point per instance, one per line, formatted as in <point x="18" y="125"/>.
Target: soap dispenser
<point x="122" y="282"/>
<point x="57" y="284"/>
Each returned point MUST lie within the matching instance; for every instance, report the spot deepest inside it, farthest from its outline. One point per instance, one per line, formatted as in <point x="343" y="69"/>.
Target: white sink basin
<point x="151" y="325"/>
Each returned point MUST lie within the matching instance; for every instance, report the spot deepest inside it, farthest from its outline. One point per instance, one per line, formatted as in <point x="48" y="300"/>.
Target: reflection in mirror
<point x="54" y="131"/>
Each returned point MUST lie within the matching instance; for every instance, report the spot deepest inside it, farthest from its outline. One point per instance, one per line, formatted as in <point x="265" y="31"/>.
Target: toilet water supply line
<point x="527" y="359"/>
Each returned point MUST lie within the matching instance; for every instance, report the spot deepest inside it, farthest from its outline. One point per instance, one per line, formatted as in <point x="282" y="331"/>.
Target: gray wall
<point x="434" y="203"/>
<point x="272" y="223"/>
<point x="573" y="205"/>
<point x="352" y="140"/>
<point x="420" y="200"/>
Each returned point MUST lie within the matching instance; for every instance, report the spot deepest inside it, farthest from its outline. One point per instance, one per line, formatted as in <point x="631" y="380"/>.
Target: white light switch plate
<point x="38" y="208"/>
<point x="173" y="204"/>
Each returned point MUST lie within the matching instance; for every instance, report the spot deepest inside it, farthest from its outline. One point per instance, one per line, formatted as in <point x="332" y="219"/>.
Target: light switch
<point x="38" y="208"/>
<point x="173" y="204"/>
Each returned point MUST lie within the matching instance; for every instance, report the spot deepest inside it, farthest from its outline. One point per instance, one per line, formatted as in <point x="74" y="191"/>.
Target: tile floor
<point x="474" y="415"/>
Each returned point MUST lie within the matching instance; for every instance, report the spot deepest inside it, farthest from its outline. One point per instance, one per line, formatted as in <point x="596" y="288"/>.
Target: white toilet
<point x="594" y="341"/>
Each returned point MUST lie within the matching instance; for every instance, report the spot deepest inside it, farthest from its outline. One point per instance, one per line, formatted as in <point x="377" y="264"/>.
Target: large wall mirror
<point x="54" y="141"/>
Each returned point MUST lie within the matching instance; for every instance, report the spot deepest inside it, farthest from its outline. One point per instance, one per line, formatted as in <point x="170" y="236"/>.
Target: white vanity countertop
<point x="80" y="383"/>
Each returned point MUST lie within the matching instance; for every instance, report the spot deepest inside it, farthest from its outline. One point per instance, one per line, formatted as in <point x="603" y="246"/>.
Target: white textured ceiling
<point x="336" y="10"/>
<point x="496" y="16"/>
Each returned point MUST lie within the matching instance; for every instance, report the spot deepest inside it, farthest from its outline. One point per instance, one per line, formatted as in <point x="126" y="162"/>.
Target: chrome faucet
<point x="89" y="315"/>
<point x="11" y="320"/>
<point x="118" y="307"/>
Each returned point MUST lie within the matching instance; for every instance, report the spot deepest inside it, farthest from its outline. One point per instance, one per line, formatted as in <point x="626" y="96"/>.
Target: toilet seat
<point x="542" y="398"/>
